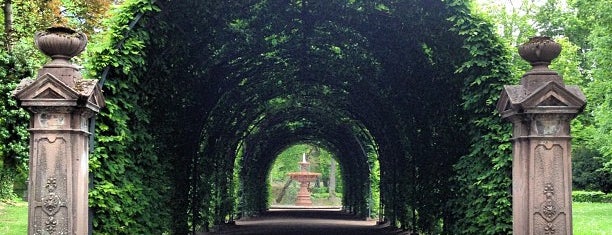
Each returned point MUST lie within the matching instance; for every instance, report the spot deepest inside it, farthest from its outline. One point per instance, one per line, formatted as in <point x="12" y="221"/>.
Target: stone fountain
<point x="304" y="177"/>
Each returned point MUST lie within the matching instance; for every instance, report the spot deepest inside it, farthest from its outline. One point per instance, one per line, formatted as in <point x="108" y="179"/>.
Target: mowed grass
<point x="589" y="218"/>
<point x="592" y="218"/>
<point x="13" y="218"/>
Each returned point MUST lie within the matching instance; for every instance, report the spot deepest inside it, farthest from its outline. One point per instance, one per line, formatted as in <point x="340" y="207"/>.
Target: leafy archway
<point x="410" y="82"/>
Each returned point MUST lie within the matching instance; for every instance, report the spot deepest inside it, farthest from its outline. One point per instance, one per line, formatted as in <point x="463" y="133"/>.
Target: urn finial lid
<point x="60" y="43"/>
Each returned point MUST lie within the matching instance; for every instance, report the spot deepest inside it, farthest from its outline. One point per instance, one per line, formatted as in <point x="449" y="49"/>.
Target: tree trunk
<point x="332" y="179"/>
<point x="282" y="192"/>
<point x="8" y="24"/>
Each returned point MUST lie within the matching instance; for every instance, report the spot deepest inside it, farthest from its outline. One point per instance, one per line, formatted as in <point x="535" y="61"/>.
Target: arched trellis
<point x="224" y="87"/>
<point x="355" y="163"/>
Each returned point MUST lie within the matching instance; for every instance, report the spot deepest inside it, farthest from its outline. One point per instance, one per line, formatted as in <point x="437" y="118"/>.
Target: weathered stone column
<point x="540" y="109"/>
<point x="60" y="103"/>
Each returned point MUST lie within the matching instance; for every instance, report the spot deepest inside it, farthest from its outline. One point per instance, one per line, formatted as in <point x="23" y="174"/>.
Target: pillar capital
<point x="540" y="109"/>
<point x="60" y="102"/>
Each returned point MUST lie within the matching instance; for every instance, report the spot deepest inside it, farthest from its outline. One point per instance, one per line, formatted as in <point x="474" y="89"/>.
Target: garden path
<point x="307" y="222"/>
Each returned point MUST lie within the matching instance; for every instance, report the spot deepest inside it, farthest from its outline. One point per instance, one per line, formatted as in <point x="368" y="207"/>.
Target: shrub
<point x="585" y="170"/>
<point x="591" y="196"/>
<point x="319" y="190"/>
<point x="6" y="184"/>
<point x="320" y="195"/>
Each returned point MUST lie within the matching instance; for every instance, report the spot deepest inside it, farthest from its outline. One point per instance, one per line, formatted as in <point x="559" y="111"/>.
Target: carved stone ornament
<point x="549" y="229"/>
<point x="60" y="42"/>
<point x="52" y="202"/>
<point x="539" y="51"/>
<point x="50" y="227"/>
<point x="549" y="206"/>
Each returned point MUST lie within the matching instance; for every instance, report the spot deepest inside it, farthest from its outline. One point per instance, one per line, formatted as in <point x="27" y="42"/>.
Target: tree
<point x="598" y="15"/>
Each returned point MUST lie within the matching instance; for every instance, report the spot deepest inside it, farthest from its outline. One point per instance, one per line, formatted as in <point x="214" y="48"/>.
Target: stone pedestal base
<point x="303" y="197"/>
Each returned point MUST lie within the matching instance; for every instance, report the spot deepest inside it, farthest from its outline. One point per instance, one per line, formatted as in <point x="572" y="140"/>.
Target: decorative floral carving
<point x="548" y="207"/>
<point x="51" y="204"/>
<point x="51" y="184"/>
<point x="549" y="190"/>
<point x="50" y="225"/>
<point x="37" y="230"/>
<point x="549" y="228"/>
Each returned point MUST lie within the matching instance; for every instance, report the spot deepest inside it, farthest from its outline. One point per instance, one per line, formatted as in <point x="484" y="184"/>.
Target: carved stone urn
<point x="60" y="43"/>
<point x="539" y="52"/>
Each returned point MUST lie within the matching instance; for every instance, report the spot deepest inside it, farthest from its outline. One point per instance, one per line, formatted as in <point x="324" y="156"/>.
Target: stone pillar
<point x="540" y="109"/>
<point x="60" y="103"/>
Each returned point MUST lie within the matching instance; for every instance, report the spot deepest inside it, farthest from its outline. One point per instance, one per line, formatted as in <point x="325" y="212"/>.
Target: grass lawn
<point x="592" y="218"/>
<point x="13" y="218"/>
<point x="589" y="218"/>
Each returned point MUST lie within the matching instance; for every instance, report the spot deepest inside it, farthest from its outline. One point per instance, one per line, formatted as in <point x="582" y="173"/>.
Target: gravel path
<point x="307" y="222"/>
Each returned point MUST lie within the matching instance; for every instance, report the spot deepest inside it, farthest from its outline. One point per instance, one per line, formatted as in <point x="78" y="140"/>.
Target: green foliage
<point x="591" y="196"/>
<point x="587" y="170"/>
<point x="13" y="122"/>
<point x="131" y="187"/>
<point x="483" y="176"/>
<point x="6" y="184"/>
<point x="596" y="16"/>
<point x="283" y="73"/>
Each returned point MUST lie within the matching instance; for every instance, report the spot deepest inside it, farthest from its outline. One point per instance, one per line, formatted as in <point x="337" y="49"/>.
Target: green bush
<point x="13" y="121"/>
<point x="320" y="195"/>
<point x="6" y="184"/>
<point x="319" y="190"/>
<point x="591" y="196"/>
<point x="587" y="173"/>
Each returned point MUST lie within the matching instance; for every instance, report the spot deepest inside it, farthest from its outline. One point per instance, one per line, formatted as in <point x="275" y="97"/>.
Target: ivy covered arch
<point x="199" y="89"/>
<point x="314" y="127"/>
